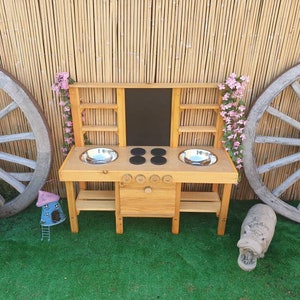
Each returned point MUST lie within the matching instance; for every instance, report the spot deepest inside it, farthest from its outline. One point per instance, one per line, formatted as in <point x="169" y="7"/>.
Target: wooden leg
<point x="176" y="218"/>
<point x="224" y="209"/>
<point x="215" y="187"/>
<point x="72" y="206"/>
<point x="82" y="185"/>
<point x="119" y="218"/>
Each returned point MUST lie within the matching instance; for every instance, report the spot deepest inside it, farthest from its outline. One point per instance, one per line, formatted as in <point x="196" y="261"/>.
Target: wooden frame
<point x="73" y="170"/>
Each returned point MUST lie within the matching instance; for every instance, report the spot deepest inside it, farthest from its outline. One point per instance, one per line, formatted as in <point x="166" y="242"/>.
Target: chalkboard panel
<point x="148" y="116"/>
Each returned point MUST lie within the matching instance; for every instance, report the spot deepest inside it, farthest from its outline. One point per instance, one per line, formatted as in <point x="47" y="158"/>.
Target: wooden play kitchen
<point x="147" y="179"/>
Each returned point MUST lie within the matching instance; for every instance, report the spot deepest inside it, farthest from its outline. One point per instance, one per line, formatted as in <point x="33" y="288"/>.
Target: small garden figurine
<point x="257" y="231"/>
<point x="52" y="213"/>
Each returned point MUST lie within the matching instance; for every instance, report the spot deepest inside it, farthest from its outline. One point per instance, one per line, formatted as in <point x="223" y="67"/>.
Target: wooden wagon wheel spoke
<point x="24" y="175"/>
<point x="286" y="184"/>
<point x="12" y="181"/>
<point x="18" y="160"/>
<point x="16" y="137"/>
<point x="283" y="117"/>
<point x="9" y="108"/>
<point x="296" y="87"/>
<point x="277" y="140"/>
<point x="278" y="163"/>
<point x="255" y="172"/>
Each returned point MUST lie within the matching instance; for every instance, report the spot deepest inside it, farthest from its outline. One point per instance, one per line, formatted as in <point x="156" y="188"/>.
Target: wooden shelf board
<point x="199" y="106"/>
<point x="99" y="128"/>
<point x="98" y="106"/>
<point x="96" y="194"/>
<point x="95" y="200"/>
<point x="193" y="206"/>
<point x="200" y="196"/>
<point x="97" y="205"/>
<point x="200" y="202"/>
<point x="142" y="85"/>
<point x="197" y="129"/>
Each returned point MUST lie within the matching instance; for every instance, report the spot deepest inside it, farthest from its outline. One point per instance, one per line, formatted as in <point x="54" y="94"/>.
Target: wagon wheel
<point x="287" y="161"/>
<point x="21" y="171"/>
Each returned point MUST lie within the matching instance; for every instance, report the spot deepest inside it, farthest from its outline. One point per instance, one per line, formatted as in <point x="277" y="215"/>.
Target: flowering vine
<point x="233" y="113"/>
<point x="61" y="88"/>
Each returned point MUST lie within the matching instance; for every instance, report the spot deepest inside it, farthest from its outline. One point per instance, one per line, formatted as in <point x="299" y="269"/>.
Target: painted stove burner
<point x="137" y="160"/>
<point x="138" y="151"/>
<point x="158" y="152"/>
<point x="157" y="159"/>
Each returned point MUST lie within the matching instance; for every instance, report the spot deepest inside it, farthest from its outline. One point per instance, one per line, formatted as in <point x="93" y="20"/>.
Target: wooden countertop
<point x="223" y="171"/>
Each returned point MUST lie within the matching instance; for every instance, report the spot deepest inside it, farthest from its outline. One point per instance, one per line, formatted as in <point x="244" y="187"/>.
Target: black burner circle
<point x="158" y="160"/>
<point x="138" y="151"/>
<point x="158" y="152"/>
<point x="137" y="160"/>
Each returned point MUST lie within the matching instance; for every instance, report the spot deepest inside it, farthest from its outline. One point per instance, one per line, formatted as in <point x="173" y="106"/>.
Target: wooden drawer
<point x="148" y="199"/>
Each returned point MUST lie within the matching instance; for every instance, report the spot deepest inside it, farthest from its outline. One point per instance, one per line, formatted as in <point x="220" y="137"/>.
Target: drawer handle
<point x="148" y="190"/>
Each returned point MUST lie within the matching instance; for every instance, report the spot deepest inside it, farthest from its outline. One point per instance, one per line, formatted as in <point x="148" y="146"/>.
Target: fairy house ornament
<point x="52" y="213"/>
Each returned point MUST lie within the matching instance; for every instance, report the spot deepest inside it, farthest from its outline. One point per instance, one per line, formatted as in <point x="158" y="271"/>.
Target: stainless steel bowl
<point x="99" y="156"/>
<point x="197" y="157"/>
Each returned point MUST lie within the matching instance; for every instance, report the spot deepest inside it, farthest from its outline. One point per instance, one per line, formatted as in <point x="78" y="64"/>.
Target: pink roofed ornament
<point x="52" y="213"/>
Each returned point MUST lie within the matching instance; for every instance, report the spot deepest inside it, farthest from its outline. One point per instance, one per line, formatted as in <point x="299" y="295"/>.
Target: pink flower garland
<point x="233" y="113"/>
<point x="61" y="88"/>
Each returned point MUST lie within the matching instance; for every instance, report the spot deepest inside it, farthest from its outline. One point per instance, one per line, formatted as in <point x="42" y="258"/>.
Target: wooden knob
<point x="140" y="179"/>
<point x="126" y="178"/>
<point x="148" y="189"/>
<point x="167" y="179"/>
<point x="154" y="178"/>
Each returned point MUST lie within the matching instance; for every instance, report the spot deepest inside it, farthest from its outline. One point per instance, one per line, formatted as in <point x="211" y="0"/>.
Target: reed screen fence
<point x="148" y="41"/>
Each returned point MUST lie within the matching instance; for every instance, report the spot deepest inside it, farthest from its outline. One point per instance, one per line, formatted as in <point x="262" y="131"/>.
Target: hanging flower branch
<point x="61" y="88"/>
<point x="233" y="113"/>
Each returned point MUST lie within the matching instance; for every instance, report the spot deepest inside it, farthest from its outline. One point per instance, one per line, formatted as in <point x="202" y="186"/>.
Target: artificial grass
<point x="146" y="262"/>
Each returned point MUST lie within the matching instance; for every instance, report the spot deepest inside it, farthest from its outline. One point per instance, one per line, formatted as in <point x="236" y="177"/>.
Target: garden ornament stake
<point x="256" y="235"/>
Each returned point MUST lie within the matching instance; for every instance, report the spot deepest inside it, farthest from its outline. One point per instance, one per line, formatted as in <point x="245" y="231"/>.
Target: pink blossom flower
<point x="61" y="88"/>
<point x="226" y="96"/>
<point x="230" y="81"/>
<point x="233" y="114"/>
<point x="242" y="108"/>
<point x="239" y="160"/>
<point x="69" y="124"/>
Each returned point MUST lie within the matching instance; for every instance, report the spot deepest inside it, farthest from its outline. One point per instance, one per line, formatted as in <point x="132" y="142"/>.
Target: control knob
<point x="126" y="178"/>
<point x="167" y="179"/>
<point x="154" y="178"/>
<point x="140" y="179"/>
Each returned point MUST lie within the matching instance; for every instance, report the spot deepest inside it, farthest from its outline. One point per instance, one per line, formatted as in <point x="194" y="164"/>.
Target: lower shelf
<point x="90" y="200"/>
<point x="95" y="200"/>
<point x="200" y="202"/>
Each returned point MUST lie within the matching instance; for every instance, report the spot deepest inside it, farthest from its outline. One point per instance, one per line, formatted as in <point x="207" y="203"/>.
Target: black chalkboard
<point x="148" y="116"/>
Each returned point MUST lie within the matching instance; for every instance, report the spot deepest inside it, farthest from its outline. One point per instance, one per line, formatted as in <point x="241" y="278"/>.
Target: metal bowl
<point x="99" y="156"/>
<point x="197" y="157"/>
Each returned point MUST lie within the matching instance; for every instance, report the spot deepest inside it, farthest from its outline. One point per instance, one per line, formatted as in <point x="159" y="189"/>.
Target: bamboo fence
<point x="149" y="41"/>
